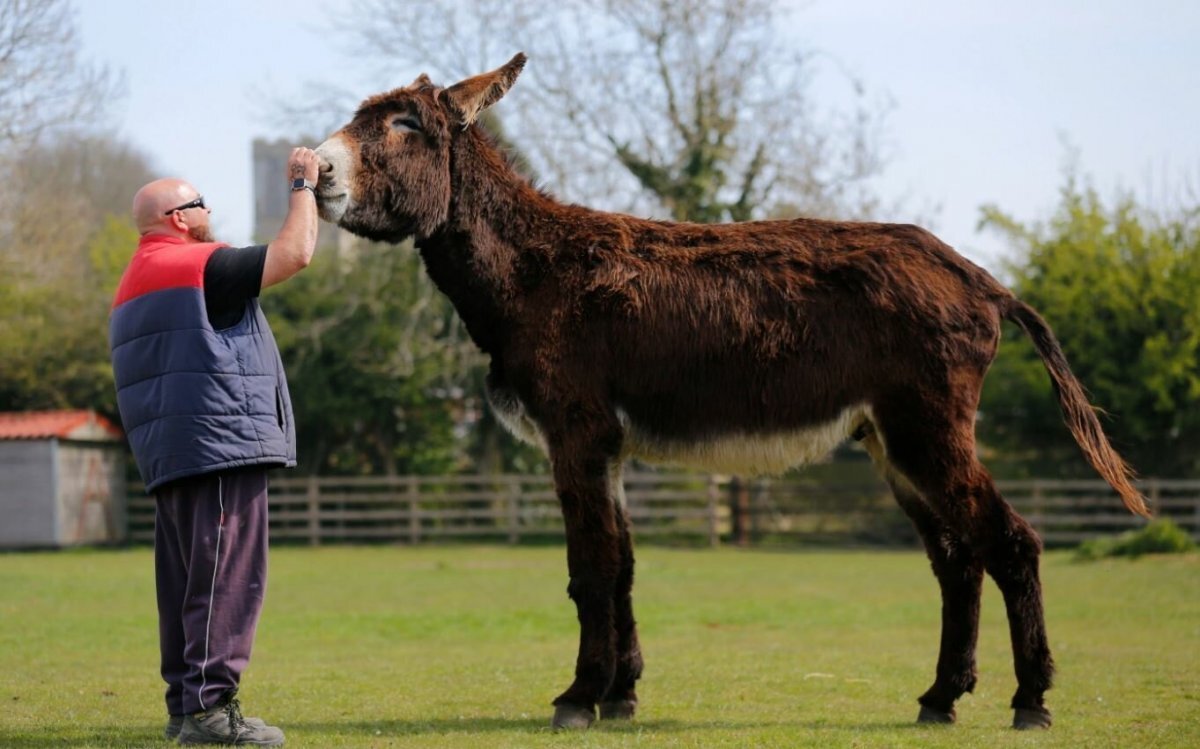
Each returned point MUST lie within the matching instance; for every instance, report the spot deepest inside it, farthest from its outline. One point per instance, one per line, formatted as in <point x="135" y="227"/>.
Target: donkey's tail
<point x="1077" y="412"/>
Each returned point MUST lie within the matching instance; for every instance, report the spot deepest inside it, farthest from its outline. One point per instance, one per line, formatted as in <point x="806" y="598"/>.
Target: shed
<point x="62" y="479"/>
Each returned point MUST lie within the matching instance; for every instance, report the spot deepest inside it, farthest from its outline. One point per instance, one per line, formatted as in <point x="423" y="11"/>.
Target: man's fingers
<point x="304" y="162"/>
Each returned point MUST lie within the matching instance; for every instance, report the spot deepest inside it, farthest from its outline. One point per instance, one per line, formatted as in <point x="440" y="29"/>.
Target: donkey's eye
<point x="405" y="123"/>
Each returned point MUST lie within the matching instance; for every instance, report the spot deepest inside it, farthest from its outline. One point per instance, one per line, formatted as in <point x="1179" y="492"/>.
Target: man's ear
<point x="470" y="97"/>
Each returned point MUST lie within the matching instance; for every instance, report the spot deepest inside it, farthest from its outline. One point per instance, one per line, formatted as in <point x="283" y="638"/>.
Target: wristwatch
<point x="300" y="183"/>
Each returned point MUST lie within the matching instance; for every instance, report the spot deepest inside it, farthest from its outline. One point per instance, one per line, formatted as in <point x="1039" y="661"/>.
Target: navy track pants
<point x="210" y="559"/>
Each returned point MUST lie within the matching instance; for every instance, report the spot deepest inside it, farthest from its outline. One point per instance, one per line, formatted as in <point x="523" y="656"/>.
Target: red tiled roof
<point x="35" y="425"/>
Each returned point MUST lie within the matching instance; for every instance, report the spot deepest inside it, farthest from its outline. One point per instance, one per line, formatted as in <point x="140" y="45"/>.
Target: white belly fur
<point x="747" y="454"/>
<point x="511" y="414"/>
<point x="743" y="454"/>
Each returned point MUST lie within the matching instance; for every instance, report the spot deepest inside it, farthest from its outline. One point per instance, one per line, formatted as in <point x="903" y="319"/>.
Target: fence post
<point x="758" y="504"/>
<point x="1196" y="519"/>
<point x="512" y="500"/>
<point x="1155" y="496"/>
<point x="1038" y="507"/>
<point x="414" y="510"/>
<point x="739" y="504"/>
<point x="314" y="511"/>
<point x="714" y="536"/>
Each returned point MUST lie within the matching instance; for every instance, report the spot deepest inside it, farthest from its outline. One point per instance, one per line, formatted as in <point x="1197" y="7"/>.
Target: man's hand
<point x="303" y="163"/>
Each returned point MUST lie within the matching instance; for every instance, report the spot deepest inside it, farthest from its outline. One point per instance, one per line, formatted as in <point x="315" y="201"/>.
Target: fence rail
<point x="682" y="507"/>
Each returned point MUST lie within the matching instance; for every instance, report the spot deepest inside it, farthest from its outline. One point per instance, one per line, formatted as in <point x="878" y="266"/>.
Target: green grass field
<point x="466" y="646"/>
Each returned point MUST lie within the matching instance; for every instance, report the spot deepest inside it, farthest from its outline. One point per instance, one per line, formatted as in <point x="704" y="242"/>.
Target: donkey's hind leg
<point x="933" y="445"/>
<point x="959" y="573"/>
<point x="1011" y="550"/>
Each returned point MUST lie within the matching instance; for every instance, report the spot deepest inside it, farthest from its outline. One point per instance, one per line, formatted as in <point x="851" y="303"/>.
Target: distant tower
<point x="271" y="195"/>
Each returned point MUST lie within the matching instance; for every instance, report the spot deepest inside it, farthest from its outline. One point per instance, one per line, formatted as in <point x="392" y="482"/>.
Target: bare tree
<point x="62" y="192"/>
<point x="65" y="237"/>
<point x="44" y="83"/>
<point x="697" y="106"/>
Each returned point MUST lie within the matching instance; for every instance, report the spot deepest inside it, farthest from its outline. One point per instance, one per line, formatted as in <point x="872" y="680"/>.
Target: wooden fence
<point x="681" y="508"/>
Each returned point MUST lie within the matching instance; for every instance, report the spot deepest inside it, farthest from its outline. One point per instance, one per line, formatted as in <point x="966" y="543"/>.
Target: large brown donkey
<point x="748" y="348"/>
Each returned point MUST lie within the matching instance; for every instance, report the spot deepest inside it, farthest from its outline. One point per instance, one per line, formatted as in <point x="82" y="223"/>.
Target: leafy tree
<point x="378" y="364"/>
<point x="1118" y="283"/>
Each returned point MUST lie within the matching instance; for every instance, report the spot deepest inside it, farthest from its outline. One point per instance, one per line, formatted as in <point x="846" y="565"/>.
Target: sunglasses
<point x="197" y="203"/>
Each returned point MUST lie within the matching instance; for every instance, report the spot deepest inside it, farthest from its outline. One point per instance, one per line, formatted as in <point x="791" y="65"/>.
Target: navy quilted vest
<point x="193" y="399"/>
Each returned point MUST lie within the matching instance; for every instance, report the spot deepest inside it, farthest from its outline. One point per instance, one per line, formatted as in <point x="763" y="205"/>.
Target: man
<point x="204" y="401"/>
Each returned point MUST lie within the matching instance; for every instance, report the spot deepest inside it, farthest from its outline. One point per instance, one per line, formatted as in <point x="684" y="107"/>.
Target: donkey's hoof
<point x="1025" y="719"/>
<point x="573" y="717"/>
<point x="619" y="710"/>
<point x="931" y="715"/>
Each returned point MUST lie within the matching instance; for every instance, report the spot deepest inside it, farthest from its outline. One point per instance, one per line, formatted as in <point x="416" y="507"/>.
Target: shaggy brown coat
<point x="751" y="346"/>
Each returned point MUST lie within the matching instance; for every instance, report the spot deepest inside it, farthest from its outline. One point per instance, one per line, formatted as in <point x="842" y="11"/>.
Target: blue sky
<point x="985" y="94"/>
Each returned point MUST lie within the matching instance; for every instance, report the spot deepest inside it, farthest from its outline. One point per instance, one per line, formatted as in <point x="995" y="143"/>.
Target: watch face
<point x="298" y="184"/>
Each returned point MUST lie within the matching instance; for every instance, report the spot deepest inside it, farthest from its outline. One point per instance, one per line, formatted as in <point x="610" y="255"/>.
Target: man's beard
<point x="201" y="234"/>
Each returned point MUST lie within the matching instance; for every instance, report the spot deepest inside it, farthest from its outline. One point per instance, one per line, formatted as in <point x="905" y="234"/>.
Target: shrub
<point x="1157" y="537"/>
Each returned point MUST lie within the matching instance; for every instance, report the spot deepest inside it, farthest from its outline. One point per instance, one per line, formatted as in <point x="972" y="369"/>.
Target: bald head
<point x="151" y="203"/>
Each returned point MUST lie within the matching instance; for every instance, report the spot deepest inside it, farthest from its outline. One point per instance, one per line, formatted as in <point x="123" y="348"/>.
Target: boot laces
<point x="233" y="711"/>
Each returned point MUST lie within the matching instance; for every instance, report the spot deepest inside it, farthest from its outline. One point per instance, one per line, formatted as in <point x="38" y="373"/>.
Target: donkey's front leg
<point x="594" y="564"/>
<point x="621" y="700"/>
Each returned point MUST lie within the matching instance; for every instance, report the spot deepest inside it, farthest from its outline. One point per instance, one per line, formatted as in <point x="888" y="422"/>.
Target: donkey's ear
<point x="470" y="97"/>
<point x="422" y="81"/>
